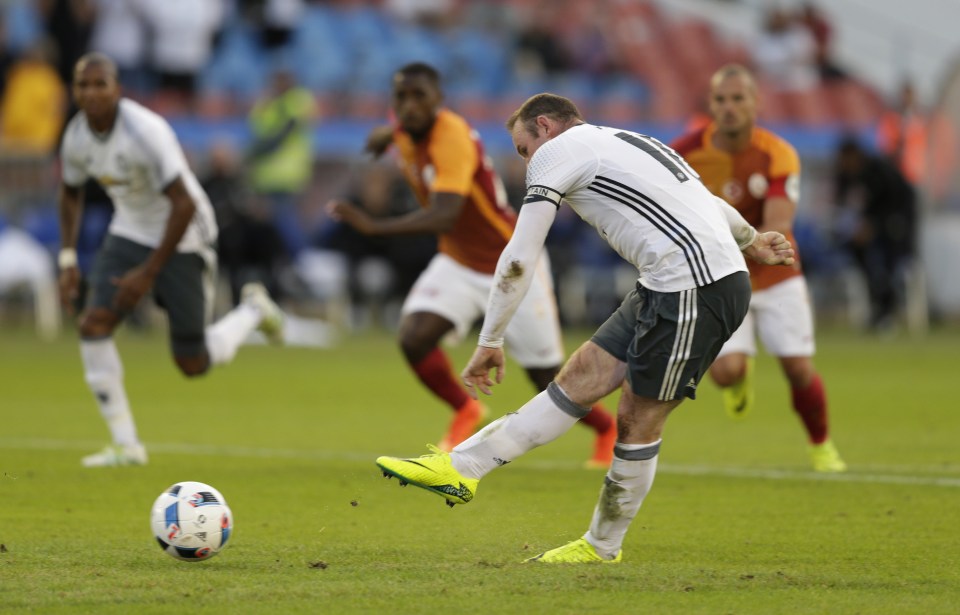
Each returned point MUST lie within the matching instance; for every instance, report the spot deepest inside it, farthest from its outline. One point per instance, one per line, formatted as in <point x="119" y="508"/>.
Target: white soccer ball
<point x="191" y="521"/>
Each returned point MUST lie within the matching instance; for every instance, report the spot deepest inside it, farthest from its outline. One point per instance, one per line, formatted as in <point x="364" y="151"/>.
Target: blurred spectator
<point x="877" y="223"/>
<point x="34" y="103"/>
<point x="68" y="23"/>
<point x="249" y="247"/>
<point x="429" y="13"/>
<point x="281" y="156"/>
<point x="6" y="58"/>
<point x="592" y="48"/>
<point x="822" y="32"/>
<point x="119" y="32"/>
<point x="380" y="269"/>
<point x="181" y="34"/>
<point x="277" y="20"/>
<point x="784" y="54"/>
<point x="25" y="263"/>
<point x="902" y="135"/>
<point x="538" y="50"/>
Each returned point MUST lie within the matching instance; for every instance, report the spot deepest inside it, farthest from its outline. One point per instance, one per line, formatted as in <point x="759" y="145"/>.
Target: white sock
<point x="542" y="419"/>
<point x="103" y="372"/>
<point x="626" y="484"/>
<point x="226" y="335"/>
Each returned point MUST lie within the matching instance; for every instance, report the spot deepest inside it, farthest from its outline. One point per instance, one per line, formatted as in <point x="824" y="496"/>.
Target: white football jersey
<point x="134" y="163"/>
<point x="643" y="199"/>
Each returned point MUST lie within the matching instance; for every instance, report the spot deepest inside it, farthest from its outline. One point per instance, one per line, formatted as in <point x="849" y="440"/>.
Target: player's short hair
<point x="95" y="58"/>
<point x="734" y="70"/>
<point x="420" y="69"/>
<point x="553" y="106"/>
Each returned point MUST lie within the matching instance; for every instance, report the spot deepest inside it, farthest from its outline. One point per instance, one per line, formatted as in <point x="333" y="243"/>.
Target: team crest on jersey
<point x="758" y="185"/>
<point x="732" y="192"/>
<point x="428" y="175"/>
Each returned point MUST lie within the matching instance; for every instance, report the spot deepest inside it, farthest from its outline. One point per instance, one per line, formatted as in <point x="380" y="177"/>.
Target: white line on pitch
<point x="175" y="448"/>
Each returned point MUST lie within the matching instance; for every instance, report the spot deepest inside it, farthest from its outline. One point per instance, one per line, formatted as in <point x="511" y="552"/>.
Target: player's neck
<point x="732" y="141"/>
<point x="104" y="124"/>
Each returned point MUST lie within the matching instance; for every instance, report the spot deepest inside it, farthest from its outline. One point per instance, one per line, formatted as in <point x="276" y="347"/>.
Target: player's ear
<point x="544" y="122"/>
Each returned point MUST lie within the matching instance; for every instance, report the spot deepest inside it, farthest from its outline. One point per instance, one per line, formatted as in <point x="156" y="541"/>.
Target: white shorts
<point x="459" y="294"/>
<point x="783" y="318"/>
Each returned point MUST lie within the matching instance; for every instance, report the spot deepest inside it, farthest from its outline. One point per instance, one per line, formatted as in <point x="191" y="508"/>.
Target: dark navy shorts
<point x="183" y="289"/>
<point x="669" y="340"/>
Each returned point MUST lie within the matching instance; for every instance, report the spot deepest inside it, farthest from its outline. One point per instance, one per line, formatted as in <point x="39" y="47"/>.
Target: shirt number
<point x="661" y="153"/>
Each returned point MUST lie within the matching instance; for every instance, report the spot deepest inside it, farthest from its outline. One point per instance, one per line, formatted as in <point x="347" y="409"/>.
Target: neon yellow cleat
<point x="577" y="552"/>
<point x="738" y="397"/>
<point x="432" y="472"/>
<point x="825" y="457"/>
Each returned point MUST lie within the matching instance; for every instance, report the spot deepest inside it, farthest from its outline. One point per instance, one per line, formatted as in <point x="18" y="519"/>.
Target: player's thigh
<point x="533" y="335"/>
<point x="116" y="257"/>
<point x="448" y="289"/>
<point x="784" y="317"/>
<point x="184" y="289"/>
<point x="590" y="374"/>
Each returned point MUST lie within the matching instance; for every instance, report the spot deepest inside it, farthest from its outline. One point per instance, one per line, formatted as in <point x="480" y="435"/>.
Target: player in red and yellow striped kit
<point x="757" y="172"/>
<point x="464" y="204"/>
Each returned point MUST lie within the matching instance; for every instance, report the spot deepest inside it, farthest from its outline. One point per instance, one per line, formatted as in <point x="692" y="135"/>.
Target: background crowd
<point x="272" y="99"/>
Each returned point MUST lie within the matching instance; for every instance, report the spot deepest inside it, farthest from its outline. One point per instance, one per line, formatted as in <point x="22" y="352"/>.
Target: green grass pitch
<point x="736" y="523"/>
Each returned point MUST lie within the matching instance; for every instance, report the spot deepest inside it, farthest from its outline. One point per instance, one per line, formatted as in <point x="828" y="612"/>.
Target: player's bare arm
<point x="70" y="202"/>
<point x="438" y="218"/>
<point x="379" y="140"/>
<point x="778" y="214"/>
<point x="134" y="284"/>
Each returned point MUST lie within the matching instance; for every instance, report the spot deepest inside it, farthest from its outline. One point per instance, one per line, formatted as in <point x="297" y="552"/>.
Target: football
<point x="191" y="521"/>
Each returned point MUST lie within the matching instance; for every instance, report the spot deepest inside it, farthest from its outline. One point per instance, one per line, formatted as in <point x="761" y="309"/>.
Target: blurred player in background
<point x="692" y="293"/>
<point x="758" y="173"/>
<point x="463" y="202"/>
<point x="161" y="239"/>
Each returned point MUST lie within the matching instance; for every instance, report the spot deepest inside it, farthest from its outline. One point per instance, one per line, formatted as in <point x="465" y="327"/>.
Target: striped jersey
<point x="643" y="199"/>
<point x="767" y="167"/>
<point x="451" y="159"/>
<point x="134" y="163"/>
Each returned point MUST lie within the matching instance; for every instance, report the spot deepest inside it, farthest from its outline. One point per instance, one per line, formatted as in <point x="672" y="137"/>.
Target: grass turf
<point x="735" y="523"/>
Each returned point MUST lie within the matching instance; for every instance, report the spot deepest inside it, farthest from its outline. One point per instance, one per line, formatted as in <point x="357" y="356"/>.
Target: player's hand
<point x="771" y="248"/>
<point x="379" y="140"/>
<point x="69" y="288"/>
<point x="476" y="375"/>
<point x="352" y="215"/>
<point x="131" y="287"/>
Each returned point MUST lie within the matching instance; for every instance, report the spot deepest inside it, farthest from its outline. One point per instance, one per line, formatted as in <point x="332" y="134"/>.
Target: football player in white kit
<point x="692" y="293"/>
<point x="161" y="239"/>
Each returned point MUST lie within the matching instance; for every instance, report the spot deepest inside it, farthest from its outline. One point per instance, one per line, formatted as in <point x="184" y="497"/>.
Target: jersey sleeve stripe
<point x="663" y="221"/>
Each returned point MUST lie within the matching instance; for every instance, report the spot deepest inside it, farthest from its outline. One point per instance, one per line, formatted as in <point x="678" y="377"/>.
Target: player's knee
<point x="194" y="366"/>
<point x="96" y="324"/>
<point x="727" y="372"/>
<point x="414" y="346"/>
<point x="799" y="372"/>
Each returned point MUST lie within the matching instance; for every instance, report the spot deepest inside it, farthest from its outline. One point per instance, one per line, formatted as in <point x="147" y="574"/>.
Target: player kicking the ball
<point x="160" y="239"/>
<point x="464" y="203"/>
<point x="692" y="293"/>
